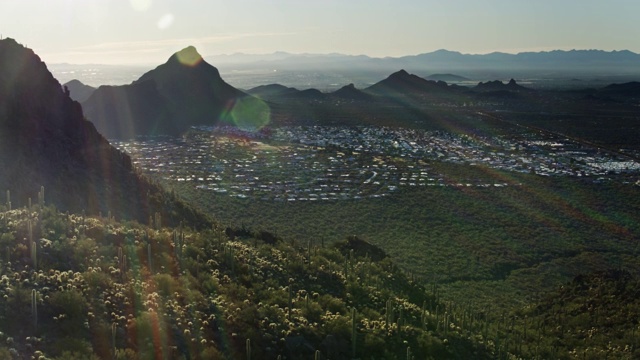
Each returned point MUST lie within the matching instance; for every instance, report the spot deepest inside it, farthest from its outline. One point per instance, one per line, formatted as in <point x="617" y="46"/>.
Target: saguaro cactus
<point x="290" y="288"/>
<point x="149" y="257"/>
<point x="354" y="332"/>
<point x="41" y="197"/>
<point x="388" y="319"/>
<point x="34" y="255"/>
<point x="30" y="231"/>
<point x="158" y="221"/>
<point x="34" y="308"/>
<point x="113" y="337"/>
<point x="248" y="348"/>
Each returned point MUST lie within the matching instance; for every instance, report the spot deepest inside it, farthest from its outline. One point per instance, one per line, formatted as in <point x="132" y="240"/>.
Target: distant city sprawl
<point x="329" y="163"/>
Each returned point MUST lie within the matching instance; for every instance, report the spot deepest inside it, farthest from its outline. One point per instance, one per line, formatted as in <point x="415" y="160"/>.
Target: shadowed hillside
<point x="46" y="142"/>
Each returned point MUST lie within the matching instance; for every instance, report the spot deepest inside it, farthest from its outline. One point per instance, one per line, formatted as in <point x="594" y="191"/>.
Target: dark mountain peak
<point x="189" y="50"/>
<point x="403" y="76"/>
<point x="351" y="93"/>
<point x="188" y="56"/>
<point x="12" y="49"/>
<point x="19" y="62"/>
<point x="74" y="82"/>
<point x="498" y="85"/>
<point x="183" y="92"/>
<point x="269" y="87"/>
<point x="25" y="79"/>
<point x="629" y="89"/>
<point x="347" y="88"/>
<point x="184" y="67"/>
<point x="400" y="74"/>
<point x="272" y="91"/>
<point x="402" y="82"/>
<point x="79" y="91"/>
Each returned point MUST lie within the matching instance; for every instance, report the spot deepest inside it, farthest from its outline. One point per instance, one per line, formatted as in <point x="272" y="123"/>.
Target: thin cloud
<point x="122" y="45"/>
<point x="143" y="52"/>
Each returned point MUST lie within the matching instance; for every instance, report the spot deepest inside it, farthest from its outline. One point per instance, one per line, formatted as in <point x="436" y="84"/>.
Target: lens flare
<point x="140" y="5"/>
<point x="165" y="21"/>
<point x="249" y="113"/>
<point x="189" y="56"/>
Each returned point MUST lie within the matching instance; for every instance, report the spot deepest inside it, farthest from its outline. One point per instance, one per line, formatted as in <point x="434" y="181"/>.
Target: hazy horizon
<point x="144" y="32"/>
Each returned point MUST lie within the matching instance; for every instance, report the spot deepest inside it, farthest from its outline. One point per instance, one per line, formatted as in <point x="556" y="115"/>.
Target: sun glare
<point x="140" y="5"/>
<point x="165" y="21"/>
<point x="189" y="56"/>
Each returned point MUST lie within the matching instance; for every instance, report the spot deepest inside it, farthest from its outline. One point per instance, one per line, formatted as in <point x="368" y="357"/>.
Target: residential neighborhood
<point x="317" y="163"/>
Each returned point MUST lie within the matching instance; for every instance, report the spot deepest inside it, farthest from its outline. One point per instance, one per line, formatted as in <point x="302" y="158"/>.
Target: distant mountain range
<point x="46" y="141"/>
<point x="557" y="61"/>
<point x="187" y="91"/>
<point x="277" y="91"/>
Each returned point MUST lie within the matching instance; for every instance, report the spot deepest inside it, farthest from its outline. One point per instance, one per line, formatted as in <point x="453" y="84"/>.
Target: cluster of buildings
<point x="543" y="154"/>
<point x="336" y="163"/>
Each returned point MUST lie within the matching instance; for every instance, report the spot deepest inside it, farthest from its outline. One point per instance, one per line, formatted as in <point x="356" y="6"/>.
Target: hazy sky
<point x="149" y="31"/>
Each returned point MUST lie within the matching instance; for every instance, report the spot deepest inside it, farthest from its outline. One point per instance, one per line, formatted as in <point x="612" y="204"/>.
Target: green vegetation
<point x="233" y="294"/>
<point x="105" y="289"/>
<point x="496" y="246"/>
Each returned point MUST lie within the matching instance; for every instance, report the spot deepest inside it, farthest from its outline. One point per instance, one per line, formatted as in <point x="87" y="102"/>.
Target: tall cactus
<point x="158" y="221"/>
<point x="388" y="319"/>
<point x="423" y="317"/>
<point x="30" y="231"/>
<point x="149" y="257"/>
<point x="41" y="197"/>
<point x="34" y="308"/>
<point x="8" y="200"/>
<point x="34" y="255"/>
<point x="346" y="268"/>
<point x="248" y="348"/>
<point x="290" y="297"/>
<point x="113" y="337"/>
<point x="354" y="332"/>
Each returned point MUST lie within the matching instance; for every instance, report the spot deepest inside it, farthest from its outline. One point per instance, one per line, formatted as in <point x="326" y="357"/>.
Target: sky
<point x="141" y="32"/>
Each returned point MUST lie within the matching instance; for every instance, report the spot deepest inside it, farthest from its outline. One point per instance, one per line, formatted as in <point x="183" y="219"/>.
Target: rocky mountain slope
<point x="180" y="93"/>
<point x="48" y="149"/>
